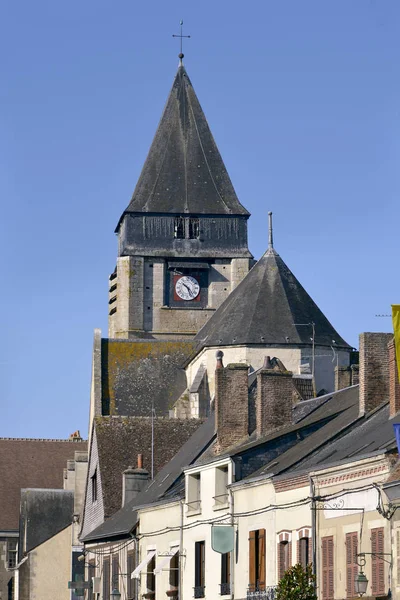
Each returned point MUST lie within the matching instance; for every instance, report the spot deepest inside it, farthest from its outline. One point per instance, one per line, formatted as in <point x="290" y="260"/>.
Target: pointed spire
<point x="270" y="232"/>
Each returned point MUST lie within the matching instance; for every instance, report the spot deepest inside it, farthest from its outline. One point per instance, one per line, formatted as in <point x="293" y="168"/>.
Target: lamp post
<point x="361" y="581"/>
<point x="361" y="584"/>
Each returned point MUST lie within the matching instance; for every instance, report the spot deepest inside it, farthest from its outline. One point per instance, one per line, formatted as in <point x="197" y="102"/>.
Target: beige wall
<point x="50" y="568"/>
<point x="342" y="514"/>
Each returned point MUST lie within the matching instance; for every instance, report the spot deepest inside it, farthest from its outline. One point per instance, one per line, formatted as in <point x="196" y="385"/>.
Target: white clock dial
<point x="187" y="288"/>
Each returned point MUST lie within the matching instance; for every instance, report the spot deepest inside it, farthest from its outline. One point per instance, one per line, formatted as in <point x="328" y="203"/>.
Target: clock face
<point x="187" y="288"/>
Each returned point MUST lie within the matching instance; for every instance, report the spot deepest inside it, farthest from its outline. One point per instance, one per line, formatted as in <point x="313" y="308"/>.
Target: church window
<point x="179" y="229"/>
<point x="94" y="486"/>
<point x="193" y="228"/>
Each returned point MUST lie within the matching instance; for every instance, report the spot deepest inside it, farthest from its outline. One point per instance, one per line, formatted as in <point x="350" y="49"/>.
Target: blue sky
<point x="303" y="99"/>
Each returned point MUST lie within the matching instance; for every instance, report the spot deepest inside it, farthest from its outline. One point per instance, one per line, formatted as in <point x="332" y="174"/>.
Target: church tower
<point x="182" y="240"/>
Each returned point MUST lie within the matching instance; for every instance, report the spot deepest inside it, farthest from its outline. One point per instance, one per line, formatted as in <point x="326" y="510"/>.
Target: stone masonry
<point x="374" y="370"/>
<point x="231" y="405"/>
<point x="274" y="400"/>
<point x="394" y="386"/>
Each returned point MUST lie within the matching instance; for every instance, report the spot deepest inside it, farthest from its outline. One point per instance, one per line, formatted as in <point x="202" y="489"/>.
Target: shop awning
<point x="165" y="561"/>
<point x="142" y="565"/>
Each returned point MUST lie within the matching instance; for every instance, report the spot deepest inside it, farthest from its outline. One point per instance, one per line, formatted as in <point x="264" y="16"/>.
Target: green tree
<point x="297" y="584"/>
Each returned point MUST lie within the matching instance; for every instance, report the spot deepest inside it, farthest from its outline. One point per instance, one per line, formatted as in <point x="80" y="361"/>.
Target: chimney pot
<point x="140" y="461"/>
<point x="219" y="355"/>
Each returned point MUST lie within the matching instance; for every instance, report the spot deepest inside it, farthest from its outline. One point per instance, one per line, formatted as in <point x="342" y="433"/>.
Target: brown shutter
<point x="327" y="568"/>
<point x="378" y="566"/>
<point x="351" y="563"/>
<point x="398" y="555"/>
<point x="261" y="559"/>
<point x="252" y="561"/>
<point x="115" y="572"/>
<point x="310" y="551"/>
<point x="289" y="556"/>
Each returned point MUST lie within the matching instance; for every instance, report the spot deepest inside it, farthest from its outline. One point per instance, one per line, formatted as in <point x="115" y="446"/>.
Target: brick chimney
<point x="231" y="403"/>
<point x="134" y="481"/>
<point x="274" y="400"/>
<point x="374" y="370"/>
<point x="394" y="386"/>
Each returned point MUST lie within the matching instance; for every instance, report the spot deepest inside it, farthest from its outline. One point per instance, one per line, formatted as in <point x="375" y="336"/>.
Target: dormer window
<point x="186" y="228"/>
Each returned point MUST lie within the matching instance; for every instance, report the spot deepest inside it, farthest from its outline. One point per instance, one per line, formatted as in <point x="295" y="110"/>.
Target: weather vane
<point x="181" y="36"/>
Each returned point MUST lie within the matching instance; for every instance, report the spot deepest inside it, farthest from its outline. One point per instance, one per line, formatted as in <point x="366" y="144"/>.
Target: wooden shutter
<point x="252" y="561"/>
<point x="106" y="579"/>
<point x="327" y="568"/>
<point x="310" y="551"/>
<point x="303" y="551"/>
<point x="351" y="563"/>
<point x="261" y="559"/>
<point x="378" y="566"/>
<point x="398" y="555"/>
<point x="115" y="572"/>
<point x="130" y="567"/>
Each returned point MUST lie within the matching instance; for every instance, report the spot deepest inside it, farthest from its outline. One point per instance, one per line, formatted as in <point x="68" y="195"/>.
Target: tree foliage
<point x="297" y="584"/>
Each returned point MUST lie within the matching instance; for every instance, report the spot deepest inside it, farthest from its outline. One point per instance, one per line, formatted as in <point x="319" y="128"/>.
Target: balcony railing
<point x="199" y="591"/>
<point x="225" y="589"/>
<point x="268" y="593"/>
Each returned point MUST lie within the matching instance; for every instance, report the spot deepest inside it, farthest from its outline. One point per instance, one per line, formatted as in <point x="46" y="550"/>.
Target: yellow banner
<point x="396" y="329"/>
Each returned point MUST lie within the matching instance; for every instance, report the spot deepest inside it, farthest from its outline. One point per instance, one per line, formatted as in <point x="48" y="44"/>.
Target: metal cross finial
<point x="270" y="233"/>
<point x="181" y="36"/>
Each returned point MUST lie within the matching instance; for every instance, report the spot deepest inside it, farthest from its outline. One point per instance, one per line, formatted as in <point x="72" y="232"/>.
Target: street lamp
<point x="115" y="595"/>
<point x="360" y="584"/>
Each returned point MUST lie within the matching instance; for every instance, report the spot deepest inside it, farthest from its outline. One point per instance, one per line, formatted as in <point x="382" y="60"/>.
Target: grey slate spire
<point x="184" y="171"/>
<point x="267" y="307"/>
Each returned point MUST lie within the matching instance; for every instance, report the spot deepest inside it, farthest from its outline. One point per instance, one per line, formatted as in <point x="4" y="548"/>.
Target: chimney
<point x="274" y="400"/>
<point x="374" y="370"/>
<point x="394" y="386"/>
<point x="134" y="481"/>
<point x="231" y="403"/>
<point x="342" y="377"/>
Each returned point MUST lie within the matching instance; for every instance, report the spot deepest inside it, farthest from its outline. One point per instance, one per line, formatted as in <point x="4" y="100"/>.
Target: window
<point x="225" y="574"/>
<point x="130" y="567"/>
<point x="193" y="492"/>
<point x="94" y="486"/>
<point x="12" y="553"/>
<point x="91" y="574"/>
<point x="194" y="228"/>
<point x="199" y="569"/>
<point x="257" y="560"/>
<point x="186" y="228"/>
<point x="284" y="557"/>
<point x="174" y="574"/>
<point x="351" y="563"/>
<point x="115" y="572"/>
<point x="221" y="481"/>
<point x="304" y="547"/>
<point x="151" y="578"/>
<point x="327" y="568"/>
<point x="179" y="228"/>
<point x="106" y="579"/>
<point x="378" y="565"/>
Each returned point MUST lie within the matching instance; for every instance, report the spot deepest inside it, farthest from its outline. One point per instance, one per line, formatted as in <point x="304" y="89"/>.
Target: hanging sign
<point x="222" y="538"/>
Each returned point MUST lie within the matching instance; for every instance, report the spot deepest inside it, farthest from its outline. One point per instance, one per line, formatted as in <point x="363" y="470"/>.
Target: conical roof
<point x="268" y="307"/>
<point x="184" y="171"/>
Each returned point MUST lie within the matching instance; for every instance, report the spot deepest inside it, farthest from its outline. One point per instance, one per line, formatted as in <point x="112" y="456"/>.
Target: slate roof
<point x="121" y="439"/>
<point x="184" y="171"/>
<point x="274" y="302"/>
<point x="122" y="522"/>
<point x="133" y="375"/>
<point x="30" y="463"/>
<point x="43" y="514"/>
